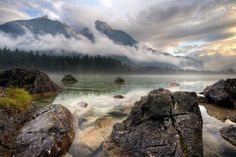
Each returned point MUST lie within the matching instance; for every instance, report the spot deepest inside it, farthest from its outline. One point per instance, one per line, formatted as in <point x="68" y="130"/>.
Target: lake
<point x="98" y="91"/>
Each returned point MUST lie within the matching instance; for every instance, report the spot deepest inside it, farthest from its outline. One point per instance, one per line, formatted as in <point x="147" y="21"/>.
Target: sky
<point x="202" y="29"/>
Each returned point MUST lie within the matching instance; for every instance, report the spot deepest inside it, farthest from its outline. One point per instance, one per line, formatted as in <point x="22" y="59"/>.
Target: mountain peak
<point x="117" y="36"/>
<point x="37" y="26"/>
<point x="100" y="25"/>
<point x="44" y="17"/>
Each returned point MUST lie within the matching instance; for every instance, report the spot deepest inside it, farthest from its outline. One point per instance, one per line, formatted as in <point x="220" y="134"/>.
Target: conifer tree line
<point x="45" y="61"/>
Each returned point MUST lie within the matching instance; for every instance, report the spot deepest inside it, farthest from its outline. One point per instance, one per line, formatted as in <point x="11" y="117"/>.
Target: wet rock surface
<point x="49" y="133"/>
<point x="11" y="121"/>
<point x="229" y="134"/>
<point x="69" y="79"/>
<point x="35" y="82"/>
<point x="222" y="92"/>
<point x="160" y="124"/>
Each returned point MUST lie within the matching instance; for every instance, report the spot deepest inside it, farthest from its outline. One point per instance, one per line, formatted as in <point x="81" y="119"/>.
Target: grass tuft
<point x="16" y="97"/>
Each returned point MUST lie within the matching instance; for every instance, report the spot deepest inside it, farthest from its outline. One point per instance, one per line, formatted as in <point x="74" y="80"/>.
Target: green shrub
<point x="16" y="97"/>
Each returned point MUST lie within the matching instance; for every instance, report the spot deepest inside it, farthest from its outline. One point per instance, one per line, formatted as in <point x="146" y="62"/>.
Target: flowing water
<point x="98" y="91"/>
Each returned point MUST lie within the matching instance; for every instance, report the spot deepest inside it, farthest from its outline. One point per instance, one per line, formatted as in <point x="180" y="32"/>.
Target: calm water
<point x="98" y="92"/>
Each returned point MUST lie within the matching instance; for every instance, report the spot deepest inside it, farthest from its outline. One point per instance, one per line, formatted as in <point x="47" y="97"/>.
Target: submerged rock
<point x="69" y="79"/>
<point x="50" y="133"/>
<point x="119" y="96"/>
<point x="222" y="92"/>
<point x="219" y="112"/>
<point x="119" y="80"/>
<point x="91" y="138"/>
<point x="35" y="82"/>
<point x="117" y="114"/>
<point x="175" y="84"/>
<point x="229" y="134"/>
<point x="232" y="117"/>
<point x="160" y="124"/>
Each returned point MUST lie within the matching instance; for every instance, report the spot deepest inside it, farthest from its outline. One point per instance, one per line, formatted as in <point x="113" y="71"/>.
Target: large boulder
<point x="221" y="93"/>
<point x="160" y="124"/>
<point x="229" y="134"/>
<point x="50" y="133"/>
<point x="11" y="121"/>
<point x="35" y="82"/>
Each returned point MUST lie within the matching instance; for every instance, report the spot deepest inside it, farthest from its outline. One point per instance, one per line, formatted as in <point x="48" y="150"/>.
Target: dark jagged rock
<point x="119" y="96"/>
<point x="231" y="87"/>
<point x="11" y="121"/>
<point x="50" y="133"/>
<point x="69" y="79"/>
<point x="35" y="82"/>
<point x="160" y="124"/>
<point x="229" y="134"/>
<point x="220" y="93"/>
<point x="119" y="80"/>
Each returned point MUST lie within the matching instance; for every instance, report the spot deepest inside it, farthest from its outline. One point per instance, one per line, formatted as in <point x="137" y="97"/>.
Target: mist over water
<point x="98" y="92"/>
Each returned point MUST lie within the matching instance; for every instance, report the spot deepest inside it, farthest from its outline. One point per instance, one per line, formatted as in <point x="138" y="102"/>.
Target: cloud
<point x="102" y="46"/>
<point x="9" y="13"/>
<point x="196" y="27"/>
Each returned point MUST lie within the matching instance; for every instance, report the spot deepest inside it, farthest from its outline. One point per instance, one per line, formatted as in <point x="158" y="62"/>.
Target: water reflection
<point x="98" y="92"/>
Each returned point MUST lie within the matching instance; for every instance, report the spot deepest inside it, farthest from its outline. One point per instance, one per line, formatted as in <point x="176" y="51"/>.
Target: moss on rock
<point x="16" y="97"/>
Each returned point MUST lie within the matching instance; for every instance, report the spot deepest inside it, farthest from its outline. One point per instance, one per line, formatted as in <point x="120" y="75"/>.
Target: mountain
<point x="117" y="36"/>
<point x="88" y="34"/>
<point x="44" y="25"/>
<point x="184" y="61"/>
<point x="41" y="25"/>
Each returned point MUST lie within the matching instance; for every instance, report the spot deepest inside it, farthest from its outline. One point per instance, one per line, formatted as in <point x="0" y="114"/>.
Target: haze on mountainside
<point x="191" y="35"/>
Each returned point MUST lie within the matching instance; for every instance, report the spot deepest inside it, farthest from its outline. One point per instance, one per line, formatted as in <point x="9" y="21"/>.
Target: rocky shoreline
<point x="162" y="123"/>
<point x="25" y="130"/>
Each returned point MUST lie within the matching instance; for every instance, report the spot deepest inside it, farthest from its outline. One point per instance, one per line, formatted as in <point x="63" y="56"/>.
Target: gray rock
<point x="218" y="93"/>
<point x="119" y="81"/>
<point x="229" y="134"/>
<point x="69" y="79"/>
<point x="50" y="133"/>
<point x="35" y="82"/>
<point x="160" y="124"/>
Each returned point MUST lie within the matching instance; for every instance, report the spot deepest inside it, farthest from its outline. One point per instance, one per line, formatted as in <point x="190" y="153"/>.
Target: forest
<point x="51" y="62"/>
